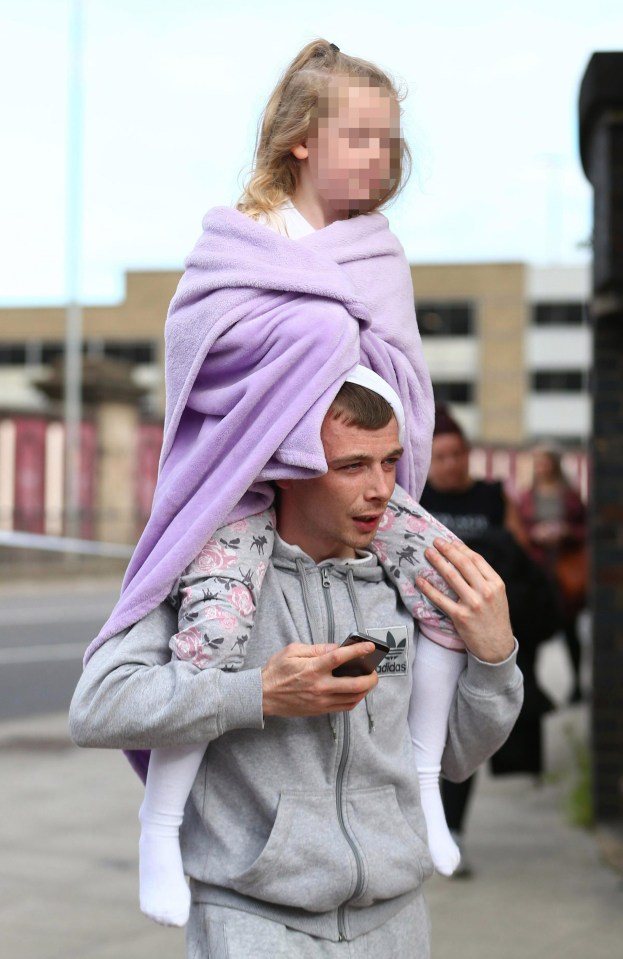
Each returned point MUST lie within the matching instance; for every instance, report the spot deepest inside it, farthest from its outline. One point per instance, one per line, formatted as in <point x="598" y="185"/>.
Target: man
<point x="304" y="836"/>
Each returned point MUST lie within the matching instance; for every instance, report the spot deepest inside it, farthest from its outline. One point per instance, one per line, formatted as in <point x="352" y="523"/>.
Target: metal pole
<point x="601" y="149"/>
<point x="73" y="248"/>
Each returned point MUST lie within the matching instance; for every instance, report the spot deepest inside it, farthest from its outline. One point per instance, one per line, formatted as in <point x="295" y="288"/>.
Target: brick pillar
<point x="112" y="400"/>
<point x="116" y="507"/>
<point x="601" y="142"/>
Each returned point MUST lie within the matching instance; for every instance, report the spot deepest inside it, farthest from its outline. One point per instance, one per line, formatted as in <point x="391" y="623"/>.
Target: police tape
<point x="65" y="544"/>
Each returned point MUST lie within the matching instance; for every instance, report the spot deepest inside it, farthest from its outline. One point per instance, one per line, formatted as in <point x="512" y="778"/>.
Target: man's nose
<point x="381" y="485"/>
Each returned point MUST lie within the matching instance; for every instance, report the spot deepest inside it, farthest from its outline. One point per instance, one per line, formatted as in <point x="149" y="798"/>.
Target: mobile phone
<point x="365" y="664"/>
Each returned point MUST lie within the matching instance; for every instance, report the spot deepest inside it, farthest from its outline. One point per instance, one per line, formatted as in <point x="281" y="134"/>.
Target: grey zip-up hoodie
<point x="314" y="822"/>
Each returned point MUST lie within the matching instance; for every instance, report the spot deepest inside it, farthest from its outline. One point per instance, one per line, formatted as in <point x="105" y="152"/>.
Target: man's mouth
<point x="368" y="522"/>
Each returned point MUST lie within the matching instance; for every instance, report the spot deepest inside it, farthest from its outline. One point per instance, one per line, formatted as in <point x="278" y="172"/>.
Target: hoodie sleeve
<point x="486" y="706"/>
<point x="132" y="696"/>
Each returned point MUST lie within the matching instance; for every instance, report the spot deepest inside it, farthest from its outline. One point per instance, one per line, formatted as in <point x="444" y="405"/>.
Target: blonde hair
<point x="290" y="113"/>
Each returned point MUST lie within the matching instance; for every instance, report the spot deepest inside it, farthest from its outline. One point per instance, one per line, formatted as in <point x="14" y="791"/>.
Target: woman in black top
<point x="484" y="517"/>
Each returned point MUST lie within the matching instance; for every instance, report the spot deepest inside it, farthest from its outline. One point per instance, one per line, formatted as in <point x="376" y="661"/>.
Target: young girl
<point x="281" y="300"/>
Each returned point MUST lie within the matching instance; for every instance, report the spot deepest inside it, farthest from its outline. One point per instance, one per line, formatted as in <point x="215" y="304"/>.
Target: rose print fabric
<point x="218" y="593"/>
<point x="406" y="530"/>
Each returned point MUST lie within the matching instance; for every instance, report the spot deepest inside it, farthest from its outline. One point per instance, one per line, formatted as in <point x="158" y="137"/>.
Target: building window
<point x="445" y="319"/>
<point x="454" y="392"/>
<point x="139" y="351"/>
<point x="36" y="353"/>
<point x="559" y="314"/>
<point x="13" y="354"/>
<point x="559" y="381"/>
<point x="51" y="352"/>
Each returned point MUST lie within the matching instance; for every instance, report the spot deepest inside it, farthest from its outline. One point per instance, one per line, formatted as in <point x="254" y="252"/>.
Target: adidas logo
<point x="396" y="660"/>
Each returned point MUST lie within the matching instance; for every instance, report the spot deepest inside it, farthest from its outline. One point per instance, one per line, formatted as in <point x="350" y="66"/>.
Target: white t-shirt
<point x="287" y="221"/>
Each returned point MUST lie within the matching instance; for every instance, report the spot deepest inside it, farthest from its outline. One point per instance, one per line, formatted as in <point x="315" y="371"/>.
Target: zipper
<point x="339" y="782"/>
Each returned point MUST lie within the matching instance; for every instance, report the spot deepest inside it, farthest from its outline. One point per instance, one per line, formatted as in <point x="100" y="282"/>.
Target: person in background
<point x="467" y="506"/>
<point x="554" y="519"/>
<point x="482" y="514"/>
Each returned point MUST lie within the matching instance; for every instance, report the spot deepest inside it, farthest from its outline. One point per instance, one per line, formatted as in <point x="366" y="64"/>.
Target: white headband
<point x="372" y="381"/>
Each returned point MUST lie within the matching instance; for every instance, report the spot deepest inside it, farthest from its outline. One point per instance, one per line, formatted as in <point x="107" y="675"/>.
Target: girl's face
<point x="350" y="154"/>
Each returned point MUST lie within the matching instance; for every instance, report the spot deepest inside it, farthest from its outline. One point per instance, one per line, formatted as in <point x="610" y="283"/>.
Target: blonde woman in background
<point x="554" y="519"/>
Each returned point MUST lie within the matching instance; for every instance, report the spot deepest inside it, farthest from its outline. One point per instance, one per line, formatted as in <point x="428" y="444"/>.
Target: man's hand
<point x="298" y="680"/>
<point x="480" y="612"/>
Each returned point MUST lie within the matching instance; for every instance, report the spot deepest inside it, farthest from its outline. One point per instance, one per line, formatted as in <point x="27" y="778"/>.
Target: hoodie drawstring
<point x="313" y="628"/>
<point x="350" y="584"/>
<point x="311" y="619"/>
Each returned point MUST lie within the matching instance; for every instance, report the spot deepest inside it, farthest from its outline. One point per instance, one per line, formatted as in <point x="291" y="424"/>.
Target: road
<point x="43" y="635"/>
<point x="43" y="638"/>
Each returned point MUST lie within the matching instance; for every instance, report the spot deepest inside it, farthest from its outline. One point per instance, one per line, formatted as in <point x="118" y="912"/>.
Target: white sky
<point x="173" y="90"/>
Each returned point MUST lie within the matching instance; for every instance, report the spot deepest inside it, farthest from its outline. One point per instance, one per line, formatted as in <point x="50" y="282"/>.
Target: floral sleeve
<point x="217" y="594"/>
<point x="405" y="532"/>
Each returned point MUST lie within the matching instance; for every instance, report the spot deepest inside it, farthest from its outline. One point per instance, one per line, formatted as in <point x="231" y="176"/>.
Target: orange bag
<point x="572" y="574"/>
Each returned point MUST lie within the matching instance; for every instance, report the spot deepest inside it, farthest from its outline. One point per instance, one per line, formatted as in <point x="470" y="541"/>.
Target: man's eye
<point x="350" y="467"/>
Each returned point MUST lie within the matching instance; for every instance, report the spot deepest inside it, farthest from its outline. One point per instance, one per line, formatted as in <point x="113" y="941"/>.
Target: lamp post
<point x="73" y="264"/>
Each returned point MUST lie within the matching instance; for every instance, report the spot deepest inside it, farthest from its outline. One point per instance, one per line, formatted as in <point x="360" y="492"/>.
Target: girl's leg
<point x="407" y="530"/>
<point x="217" y="596"/>
<point x="164" y="892"/>
<point x="435" y="676"/>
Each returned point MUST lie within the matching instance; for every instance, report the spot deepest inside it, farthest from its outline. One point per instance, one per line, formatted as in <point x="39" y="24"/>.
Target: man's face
<point x="338" y="513"/>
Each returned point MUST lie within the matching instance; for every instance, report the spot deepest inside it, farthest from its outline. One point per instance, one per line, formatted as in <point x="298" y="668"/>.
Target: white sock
<point x="163" y="890"/>
<point x="435" y="675"/>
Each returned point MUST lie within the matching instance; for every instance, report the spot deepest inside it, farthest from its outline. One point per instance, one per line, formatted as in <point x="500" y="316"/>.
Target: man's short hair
<point x="357" y="406"/>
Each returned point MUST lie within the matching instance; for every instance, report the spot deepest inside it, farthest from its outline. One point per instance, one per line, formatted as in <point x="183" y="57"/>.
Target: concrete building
<point x="508" y="346"/>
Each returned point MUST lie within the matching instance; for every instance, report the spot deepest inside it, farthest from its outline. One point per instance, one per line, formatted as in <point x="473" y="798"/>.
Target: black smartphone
<point x="365" y="664"/>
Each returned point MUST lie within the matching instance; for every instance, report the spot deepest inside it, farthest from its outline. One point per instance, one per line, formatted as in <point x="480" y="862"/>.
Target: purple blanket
<point x="260" y="335"/>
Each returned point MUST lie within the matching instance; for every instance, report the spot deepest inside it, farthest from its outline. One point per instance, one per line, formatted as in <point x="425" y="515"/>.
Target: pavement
<point x="69" y="832"/>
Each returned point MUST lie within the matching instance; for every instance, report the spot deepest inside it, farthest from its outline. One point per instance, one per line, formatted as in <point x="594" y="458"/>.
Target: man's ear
<point x="300" y="151"/>
<point x="283" y="483"/>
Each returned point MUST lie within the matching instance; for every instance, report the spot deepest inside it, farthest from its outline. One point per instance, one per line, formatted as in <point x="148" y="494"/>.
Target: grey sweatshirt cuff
<point x="489" y="679"/>
<point x="242" y="700"/>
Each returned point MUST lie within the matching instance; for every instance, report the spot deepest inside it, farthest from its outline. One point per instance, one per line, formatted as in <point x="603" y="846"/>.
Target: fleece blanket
<point x="260" y="335"/>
